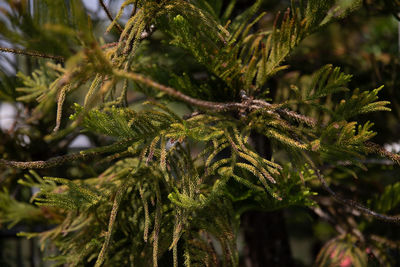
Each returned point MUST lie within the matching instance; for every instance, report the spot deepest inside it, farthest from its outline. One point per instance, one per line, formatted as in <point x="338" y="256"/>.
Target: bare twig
<point x="31" y="53"/>
<point x="110" y="16"/>
<point x="351" y="203"/>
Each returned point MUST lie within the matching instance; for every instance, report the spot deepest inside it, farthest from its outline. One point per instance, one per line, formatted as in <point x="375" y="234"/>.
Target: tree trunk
<point x="266" y="239"/>
<point x="265" y="235"/>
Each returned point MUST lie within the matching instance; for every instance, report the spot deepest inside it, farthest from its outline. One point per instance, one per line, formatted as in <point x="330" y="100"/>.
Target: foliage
<point x="172" y="107"/>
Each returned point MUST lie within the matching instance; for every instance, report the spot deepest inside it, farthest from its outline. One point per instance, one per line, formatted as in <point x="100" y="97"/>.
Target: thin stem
<point x="157" y="225"/>
<point x="351" y="203"/>
<point x="134" y="9"/>
<point x="110" y="16"/>
<point x="31" y="53"/>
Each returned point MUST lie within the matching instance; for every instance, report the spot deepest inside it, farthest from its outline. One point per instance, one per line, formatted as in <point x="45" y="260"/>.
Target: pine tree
<point x="190" y="132"/>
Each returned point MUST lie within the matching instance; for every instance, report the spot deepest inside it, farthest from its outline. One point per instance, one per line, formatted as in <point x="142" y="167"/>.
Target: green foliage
<point x="41" y="87"/>
<point x="360" y="103"/>
<point x="388" y="200"/>
<point x="14" y="211"/>
<point x="327" y="80"/>
<point x="173" y="170"/>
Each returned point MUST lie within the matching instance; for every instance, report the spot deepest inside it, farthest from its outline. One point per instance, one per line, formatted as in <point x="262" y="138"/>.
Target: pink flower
<point x="346" y="262"/>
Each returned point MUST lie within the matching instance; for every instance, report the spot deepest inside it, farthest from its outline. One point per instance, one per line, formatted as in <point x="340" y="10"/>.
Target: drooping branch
<point x="31" y="53"/>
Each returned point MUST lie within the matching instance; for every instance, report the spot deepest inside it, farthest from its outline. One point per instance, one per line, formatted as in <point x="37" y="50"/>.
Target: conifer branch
<point x="246" y="104"/>
<point x="157" y="225"/>
<point x="110" y="16"/>
<point x="186" y="166"/>
<point x="217" y="106"/>
<point x="31" y="53"/>
<point x="59" y="160"/>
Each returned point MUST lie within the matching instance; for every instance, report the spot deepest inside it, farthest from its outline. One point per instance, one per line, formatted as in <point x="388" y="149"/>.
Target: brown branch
<point x="31" y="53"/>
<point x="59" y="160"/>
<point x="247" y="103"/>
<point x="44" y="164"/>
<point x="351" y="203"/>
<point x="108" y="45"/>
<point x="110" y="16"/>
<point x="217" y="106"/>
<point x="144" y="35"/>
<point x="375" y="148"/>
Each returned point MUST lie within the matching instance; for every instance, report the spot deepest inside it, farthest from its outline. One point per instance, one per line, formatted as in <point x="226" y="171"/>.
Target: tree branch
<point x="351" y="203"/>
<point x="246" y="104"/>
<point x="44" y="164"/>
<point x="375" y="148"/>
<point x="110" y="16"/>
<point x="217" y="106"/>
<point x="31" y="53"/>
<point x="117" y="201"/>
<point x="109" y="45"/>
<point x="59" y="160"/>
